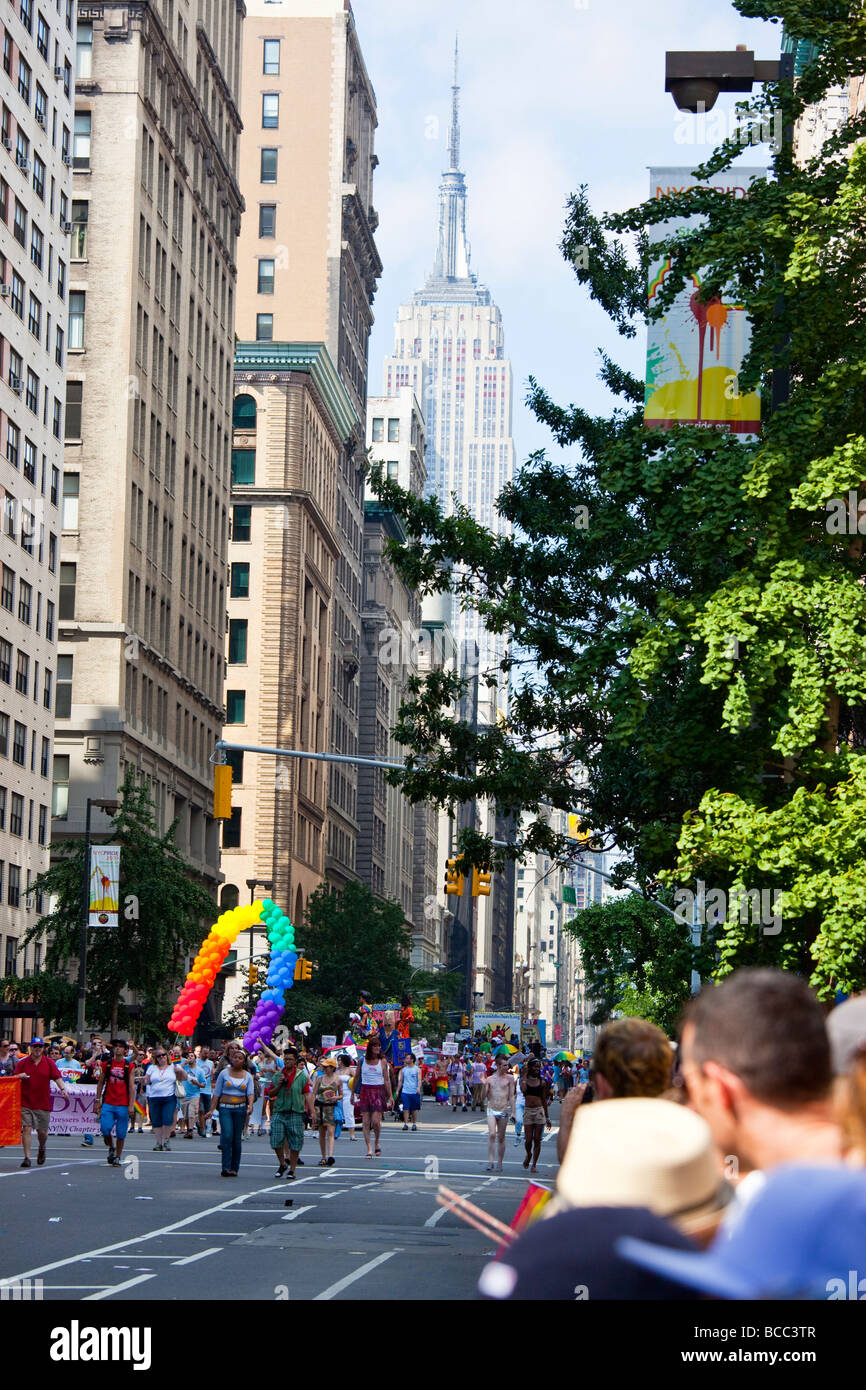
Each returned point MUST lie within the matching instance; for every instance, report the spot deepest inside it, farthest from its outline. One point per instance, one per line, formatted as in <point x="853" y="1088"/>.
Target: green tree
<point x="353" y="941"/>
<point x="690" y="670"/>
<point x="164" y="913"/>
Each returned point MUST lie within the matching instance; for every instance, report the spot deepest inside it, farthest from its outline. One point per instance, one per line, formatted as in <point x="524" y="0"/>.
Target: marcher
<point x="477" y="1077"/>
<point x="117" y="1083"/>
<point x="162" y="1078"/>
<point x="409" y="1089"/>
<point x="457" y="1084"/>
<point x="7" y="1058"/>
<point x="566" y="1080"/>
<point x="499" y="1096"/>
<point x="372" y="1085"/>
<point x="291" y="1101"/>
<point x="440" y="1080"/>
<point x="519" y="1108"/>
<point x="233" y="1095"/>
<point x="326" y="1098"/>
<point x="536" y="1092"/>
<point x="191" y="1099"/>
<point x="345" y="1074"/>
<point x="206" y="1063"/>
<point x="37" y="1072"/>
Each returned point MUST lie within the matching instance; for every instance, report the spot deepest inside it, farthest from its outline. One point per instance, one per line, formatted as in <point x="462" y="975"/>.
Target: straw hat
<point x="639" y="1152"/>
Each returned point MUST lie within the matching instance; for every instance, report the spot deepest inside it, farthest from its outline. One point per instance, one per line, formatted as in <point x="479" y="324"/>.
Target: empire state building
<point x="450" y="348"/>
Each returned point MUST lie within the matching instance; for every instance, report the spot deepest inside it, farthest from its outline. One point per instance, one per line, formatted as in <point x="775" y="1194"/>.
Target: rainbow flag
<point x="140" y="1110"/>
<point x="535" y="1199"/>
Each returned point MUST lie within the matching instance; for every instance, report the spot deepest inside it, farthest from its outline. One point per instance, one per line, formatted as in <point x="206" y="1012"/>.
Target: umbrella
<point x="565" y="1057"/>
<point x="505" y="1050"/>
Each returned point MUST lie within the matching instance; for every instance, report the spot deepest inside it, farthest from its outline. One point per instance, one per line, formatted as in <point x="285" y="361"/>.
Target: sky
<point x="555" y="94"/>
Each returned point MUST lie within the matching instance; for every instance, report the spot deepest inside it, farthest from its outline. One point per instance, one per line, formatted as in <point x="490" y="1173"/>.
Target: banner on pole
<point x="104" y="886"/>
<point x="695" y="351"/>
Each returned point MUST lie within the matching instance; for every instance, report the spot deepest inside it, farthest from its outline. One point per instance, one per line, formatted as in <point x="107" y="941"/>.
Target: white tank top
<point x="371" y="1074"/>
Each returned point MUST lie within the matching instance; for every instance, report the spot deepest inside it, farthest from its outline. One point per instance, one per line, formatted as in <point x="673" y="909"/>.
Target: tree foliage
<point x="165" y="911"/>
<point x="694" y="676"/>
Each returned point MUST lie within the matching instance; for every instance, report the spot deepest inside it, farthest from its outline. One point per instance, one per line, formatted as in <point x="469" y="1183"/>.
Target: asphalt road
<point x="167" y="1226"/>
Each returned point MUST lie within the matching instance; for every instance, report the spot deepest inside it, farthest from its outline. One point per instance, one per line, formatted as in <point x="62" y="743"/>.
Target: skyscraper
<point x="450" y="348"/>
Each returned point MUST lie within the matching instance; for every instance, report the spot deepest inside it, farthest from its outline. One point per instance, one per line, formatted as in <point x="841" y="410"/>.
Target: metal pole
<point x="85" y="919"/>
<point x="297" y="753"/>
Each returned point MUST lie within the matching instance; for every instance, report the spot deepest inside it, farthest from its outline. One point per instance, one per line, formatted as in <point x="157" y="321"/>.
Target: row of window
<point x="22" y="673"/>
<point x="16" y="825"/>
<point x="25" y="602"/>
<point x="18" y="745"/>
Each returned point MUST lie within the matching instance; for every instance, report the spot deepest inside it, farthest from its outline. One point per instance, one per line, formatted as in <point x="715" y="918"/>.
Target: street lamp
<point x="694" y="80"/>
<point x="109" y="805"/>
<point x="253" y="884"/>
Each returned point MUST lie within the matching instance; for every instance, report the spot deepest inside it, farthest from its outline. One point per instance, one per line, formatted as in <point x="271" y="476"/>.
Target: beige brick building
<point x="156" y="214"/>
<point x="35" y="179"/>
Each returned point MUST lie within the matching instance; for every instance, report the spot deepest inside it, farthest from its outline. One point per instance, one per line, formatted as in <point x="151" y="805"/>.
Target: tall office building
<point x="450" y="349"/>
<point x="155" y="218"/>
<point x="308" y="268"/>
<point x="35" y="181"/>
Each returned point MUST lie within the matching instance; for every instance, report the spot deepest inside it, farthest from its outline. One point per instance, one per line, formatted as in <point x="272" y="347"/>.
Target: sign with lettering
<point x="73" y="1113"/>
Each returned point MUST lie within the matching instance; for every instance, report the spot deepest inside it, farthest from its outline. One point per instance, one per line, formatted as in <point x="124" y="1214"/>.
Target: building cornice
<point x="253" y="361"/>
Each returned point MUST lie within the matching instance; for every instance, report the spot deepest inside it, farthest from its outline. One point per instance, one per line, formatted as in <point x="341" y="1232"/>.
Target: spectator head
<point x="118" y="1045"/>
<point x="632" y="1058"/>
<point x="755" y="1048"/>
<point x="846" y="1027"/>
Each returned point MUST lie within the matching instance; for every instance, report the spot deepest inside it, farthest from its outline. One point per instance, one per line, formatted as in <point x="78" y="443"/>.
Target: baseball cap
<point x="806" y="1227"/>
<point x="37" y="1042"/>
<point x="846" y="1027"/>
<point x="328" y="1062"/>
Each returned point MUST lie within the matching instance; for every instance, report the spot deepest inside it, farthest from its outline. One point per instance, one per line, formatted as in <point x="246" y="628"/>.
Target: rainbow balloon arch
<point x="207" y="964"/>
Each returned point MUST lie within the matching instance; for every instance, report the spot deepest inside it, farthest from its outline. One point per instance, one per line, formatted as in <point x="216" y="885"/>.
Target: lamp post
<point x="111" y="806"/>
<point x="253" y="884"/>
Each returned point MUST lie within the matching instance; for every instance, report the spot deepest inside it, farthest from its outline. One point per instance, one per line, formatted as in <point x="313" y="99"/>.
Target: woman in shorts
<point x="327" y="1095"/>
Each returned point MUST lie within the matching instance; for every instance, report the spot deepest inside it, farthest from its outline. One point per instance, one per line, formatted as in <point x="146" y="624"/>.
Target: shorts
<point x="189" y="1107"/>
<point x="35" y="1119"/>
<point x="287" y="1127"/>
<point x="456" y="1088"/>
<point x="162" y="1110"/>
<point x="114" y="1117"/>
<point x="411" y="1102"/>
<point x="204" y="1101"/>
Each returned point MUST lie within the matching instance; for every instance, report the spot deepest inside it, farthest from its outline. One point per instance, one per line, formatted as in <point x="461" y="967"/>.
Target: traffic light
<point x="453" y="879"/>
<point x="303" y="969"/>
<point x="464" y="1021"/>
<point x="433" y="1003"/>
<point x="481" y="883"/>
<point x="254" y="974"/>
<point x="577" y="830"/>
<point x="222" y="791"/>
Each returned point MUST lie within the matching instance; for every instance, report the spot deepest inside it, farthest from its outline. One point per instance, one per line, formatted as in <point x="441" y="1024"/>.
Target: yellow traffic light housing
<point x="303" y="969"/>
<point x="481" y="883"/>
<point x="577" y="829"/>
<point x="222" y="791"/>
<point x="254" y="974"/>
<point x="453" y="879"/>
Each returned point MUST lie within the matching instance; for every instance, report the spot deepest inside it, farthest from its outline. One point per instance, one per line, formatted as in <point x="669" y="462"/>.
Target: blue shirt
<point x="195" y="1073"/>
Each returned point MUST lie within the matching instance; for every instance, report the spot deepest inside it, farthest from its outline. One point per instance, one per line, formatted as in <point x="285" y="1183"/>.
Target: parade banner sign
<point x="695" y="351"/>
<point x="450" y="1049"/>
<point x="104" y="886"/>
<point x="489" y="1023"/>
<point x="73" y="1113"/>
<point x="10" y="1110"/>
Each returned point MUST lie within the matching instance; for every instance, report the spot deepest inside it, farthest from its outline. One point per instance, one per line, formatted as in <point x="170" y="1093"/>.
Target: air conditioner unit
<point x="58" y="73"/>
<point x="66" y="228"/>
<point x="40" y="118"/>
<point x="22" y="162"/>
<point x="16" y="384"/>
<point x="5" y="291"/>
<point x="7" y="143"/>
<point x="67" y="160"/>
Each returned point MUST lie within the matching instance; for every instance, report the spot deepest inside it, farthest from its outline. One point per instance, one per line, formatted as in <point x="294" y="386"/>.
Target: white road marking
<point x="334" y="1289"/>
<point x="199" y="1255"/>
<point x="299" y="1211"/>
<point x="326" y="1196"/>
<point x="118" y="1288"/>
<point x="437" y="1216"/>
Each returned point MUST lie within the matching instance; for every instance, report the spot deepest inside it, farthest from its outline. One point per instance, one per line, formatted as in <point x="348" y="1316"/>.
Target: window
<point x="39" y="177"/>
<point x="63" y="702"/>
<point x="244" y="413"/>
<point x="19" y="744"/>
<point x="42" y="36"/>
<point x="13" y="889"/>
<point x="24" y="81"/>
<point x="235" y="760"/>
<point x="81" y="141"/>
<point x="270" y="111"/>
<point x="68" y="581"/>
<point x="60" y="788"/>
<point x="269" y="166"/>
<point x="4" y="735"/>
<point x="232" y="830"/>
<point x="27" y="15"/>
<point x="16" y="815"/>
<point x="240" y="579"/>
<point x="32" y="393"/>
<point x="236" y="706"/>
<point x="46" y="753"/>
<point x="5" y="666"/>
<point x="40" y="105"/>
<point x="271" y="58"/>
<point x="16" y="299"/>
<point x="19" y="225"/>
<point x="80" y="218"/>
<point x="13" y="440"/>
<point x="7" y="53"/>
<point x="7" y="589"/>
<point x="393" y="431"/>
<point x="34" y="318"/>
<point x="22" y="673"/>
<point x="25" y="600"/>
<point x="2" y="808"/>
<point x="37" y="246"/>
<point x="243" y="466"/>
<point x="46" y="693"/>
<point x="237" y="641"/>
<point x="74" y="395"/>
<point x="49" y="621"/>
<point x="71" y="485"/>
<point x="264" y="328"/>
<point x="43" y="826"/>
<point x="242" y="523"/>
<point x="77" y="304"/>
<point x="378" y="431"/>
<point x="84" y="51"/>
<point x="267" y="220"/>
<point x="266" y="276"/>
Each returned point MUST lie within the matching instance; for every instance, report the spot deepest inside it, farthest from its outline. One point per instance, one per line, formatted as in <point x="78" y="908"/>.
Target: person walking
<point x="536" y="1091"/>
<point x="345" y="1074"/>
<point x="37" y="1073"/>
<point x="499" y="1095"/>
<point x="372" y="1085"/>
<point x="440" y="1080"/>
<point x="7" y="1058"/>
<point x="233" y="1096"/>
<point x="409" y="1088"/>
<point x="457" y="1084"/>
<point x="477" y="1077"/>
<point x="291" y="1101"/>
<point x="191" y="1099"/>
<point x="116" y="1083"/>
<point x="162" y="1078"/>
<point x="205" y="1062"/>
<point x="326" y="1098"/>
<point x="519" y="1107"/>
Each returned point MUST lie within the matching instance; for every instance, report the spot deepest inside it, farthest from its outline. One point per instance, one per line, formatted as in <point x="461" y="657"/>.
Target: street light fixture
<point x="696" y="79"/>
<point x="109" y="805"/>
